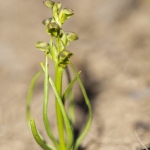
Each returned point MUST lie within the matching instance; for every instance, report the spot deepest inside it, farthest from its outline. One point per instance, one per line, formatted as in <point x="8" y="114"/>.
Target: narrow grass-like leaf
<point x="71" y="108"/>
<point x="30" y="94"/>
<point x="28" y="103"/>
<point x="88" y="124"/>
<point x="69" y="92"/>
<point x="64" y="114"/>
<point x="69" y="87"/>
<point x="37" y="136"/>
<point x="42" y="65"/>
<point x="29" y="98"/>
<point x="45" y="104"/>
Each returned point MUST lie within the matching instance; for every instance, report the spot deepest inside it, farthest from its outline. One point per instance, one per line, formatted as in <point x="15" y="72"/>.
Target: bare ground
<point x="113" y="53"/>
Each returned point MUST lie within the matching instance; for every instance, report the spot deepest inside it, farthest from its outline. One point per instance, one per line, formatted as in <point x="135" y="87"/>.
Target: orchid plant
<point x="56" y="50"/>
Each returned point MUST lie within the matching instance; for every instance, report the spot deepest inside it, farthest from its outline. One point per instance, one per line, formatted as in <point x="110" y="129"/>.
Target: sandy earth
<point x="113" y="53"/>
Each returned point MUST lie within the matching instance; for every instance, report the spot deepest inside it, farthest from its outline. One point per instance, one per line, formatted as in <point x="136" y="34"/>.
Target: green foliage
<point x="56" y="50"/>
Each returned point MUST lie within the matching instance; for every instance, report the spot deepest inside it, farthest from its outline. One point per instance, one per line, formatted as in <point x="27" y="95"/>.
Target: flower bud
<point x="43" y="46"/>
<point x="64" y="14"/>
<point x="47" y="21"/>
<point x="68" y="11"/>
<point x="72" y="36"/>
<point x="56" y="10"/>
<point x="58" y="5"/>
<point x="49" y="3"/>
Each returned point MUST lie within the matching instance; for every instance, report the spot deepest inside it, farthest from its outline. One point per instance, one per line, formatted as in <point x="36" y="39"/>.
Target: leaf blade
<point x="37" y="136"/>
<point x="88" y="124"/>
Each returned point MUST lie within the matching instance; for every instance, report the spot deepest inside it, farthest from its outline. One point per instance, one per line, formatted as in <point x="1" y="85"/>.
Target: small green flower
<point x="53" y="29"/>
<point x="63" y="58"/>
<point x="43" y="46"/>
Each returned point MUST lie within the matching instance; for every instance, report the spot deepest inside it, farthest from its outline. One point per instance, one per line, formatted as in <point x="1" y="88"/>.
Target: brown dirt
<point x="113" y="53"/>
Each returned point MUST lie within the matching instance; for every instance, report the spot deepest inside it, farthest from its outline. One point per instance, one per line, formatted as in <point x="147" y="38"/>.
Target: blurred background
<point x="113" y="52"/>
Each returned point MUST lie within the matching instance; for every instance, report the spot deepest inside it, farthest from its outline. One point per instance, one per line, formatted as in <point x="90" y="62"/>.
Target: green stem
<point x="60" y="122"/>
<point x="58" y="44"/>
